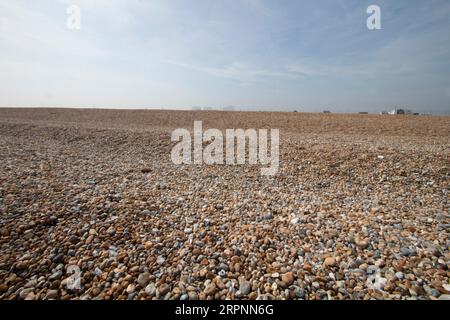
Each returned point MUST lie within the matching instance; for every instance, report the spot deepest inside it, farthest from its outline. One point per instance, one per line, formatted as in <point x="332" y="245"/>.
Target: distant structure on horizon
<point x="227" y="108"/>
<point x="400" y="111"/>
<point x="326" y="111"/>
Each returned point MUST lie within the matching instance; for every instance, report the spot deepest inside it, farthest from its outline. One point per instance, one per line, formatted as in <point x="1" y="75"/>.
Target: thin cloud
<point x="236" y="71"/>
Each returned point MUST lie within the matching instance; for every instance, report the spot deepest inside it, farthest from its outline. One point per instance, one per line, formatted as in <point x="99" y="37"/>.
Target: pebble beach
<point x="92" y="207"/>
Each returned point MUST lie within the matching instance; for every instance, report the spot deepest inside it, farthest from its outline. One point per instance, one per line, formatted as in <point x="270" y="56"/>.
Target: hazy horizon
<point x="250" y="54"/>
<point x="224" y="109"/>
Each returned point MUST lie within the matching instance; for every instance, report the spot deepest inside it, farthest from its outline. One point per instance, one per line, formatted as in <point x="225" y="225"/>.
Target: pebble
<point x="287" y="278"/>
<point x="58" y="258"/>
<point x="25" y="292"/>
<point x="163" y="289"/>
<point x="192" y="295"/>
<point x="150" y="289"/>
<point x="74" y="239"/>
<point x="131" y="288"/>
<point x="329" y="262"/>
<point x="143" y="279"/>
<point x="28" y="234"/>
<point x="51" y="294"/>
<point x="111" y="231"/>
<point x="210" y="289"/>
<point x="56" y="276"/>
<point x="408" y="252"/>
<point x="399" y="275"/>
<point x="361" y="243"/>
<point x="184" y="297"/>
<point x="245" y="287"/>
<point x="160" y="260"/>
<point x="30" y="296"/>
<point x="98" y="272"/>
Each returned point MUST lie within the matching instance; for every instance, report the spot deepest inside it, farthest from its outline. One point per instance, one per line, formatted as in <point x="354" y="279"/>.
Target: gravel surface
<point x="91" y="207"/>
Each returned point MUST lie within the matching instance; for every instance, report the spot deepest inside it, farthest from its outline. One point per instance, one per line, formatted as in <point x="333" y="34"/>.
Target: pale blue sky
<point x="281" y="55"/>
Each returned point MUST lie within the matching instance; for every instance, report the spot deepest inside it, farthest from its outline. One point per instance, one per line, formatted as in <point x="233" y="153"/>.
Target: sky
<point x="256" y="54"/>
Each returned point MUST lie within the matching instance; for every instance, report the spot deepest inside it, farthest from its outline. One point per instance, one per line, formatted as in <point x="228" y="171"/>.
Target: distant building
<point x="363" y="112"/>
<point x="326" y="111"/>
<point x="400" y="111"/>
<point x="198" y="108"/>
<point x="383" y="112"/>
<point x="397" y="111"/>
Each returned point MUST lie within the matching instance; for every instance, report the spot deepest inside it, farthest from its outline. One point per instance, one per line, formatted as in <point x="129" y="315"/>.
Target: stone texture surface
<point x="358" y="210"/>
